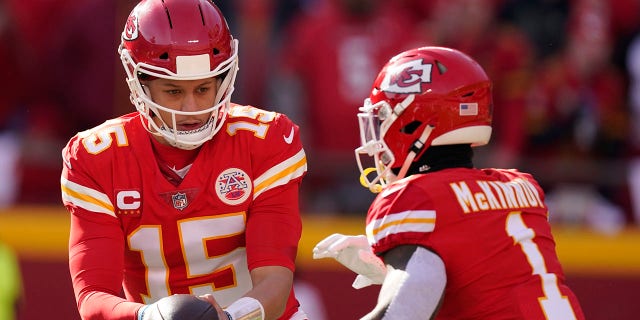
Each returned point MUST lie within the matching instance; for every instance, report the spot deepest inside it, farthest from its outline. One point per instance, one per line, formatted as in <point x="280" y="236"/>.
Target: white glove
<point x="354" y="253"/>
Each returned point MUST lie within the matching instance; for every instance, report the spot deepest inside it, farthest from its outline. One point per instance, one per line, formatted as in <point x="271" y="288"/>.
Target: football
<point x="181" y="307"/>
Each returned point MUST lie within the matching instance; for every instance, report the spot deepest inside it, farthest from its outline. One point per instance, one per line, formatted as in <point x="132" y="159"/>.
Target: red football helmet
<point x="422" y="97"/>
<point x="179" y="40"/>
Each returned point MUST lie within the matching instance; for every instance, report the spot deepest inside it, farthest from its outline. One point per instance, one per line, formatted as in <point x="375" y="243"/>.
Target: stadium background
<point x="61" y="74"/>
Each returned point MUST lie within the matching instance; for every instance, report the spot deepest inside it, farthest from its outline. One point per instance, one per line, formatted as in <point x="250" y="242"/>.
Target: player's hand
<point x="354" y="253"/>
<point x="179" y="307"/>
<point x="209" y="298"/>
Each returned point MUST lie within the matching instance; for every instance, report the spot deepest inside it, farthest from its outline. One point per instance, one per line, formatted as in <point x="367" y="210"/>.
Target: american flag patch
<point x="468" y="109"/>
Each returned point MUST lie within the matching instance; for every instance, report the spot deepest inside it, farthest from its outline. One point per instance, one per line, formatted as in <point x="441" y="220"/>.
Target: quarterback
<point x="445" y="239"/>
<point x="190" y="194"/>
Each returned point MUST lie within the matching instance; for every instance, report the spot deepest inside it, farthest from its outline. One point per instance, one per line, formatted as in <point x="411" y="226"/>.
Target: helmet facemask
<point x="225" y="72"/>
<point x="374" y="122"/>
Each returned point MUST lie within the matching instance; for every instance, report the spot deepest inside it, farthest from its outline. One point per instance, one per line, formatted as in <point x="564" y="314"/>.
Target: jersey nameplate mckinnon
<point x="495" y="195"/>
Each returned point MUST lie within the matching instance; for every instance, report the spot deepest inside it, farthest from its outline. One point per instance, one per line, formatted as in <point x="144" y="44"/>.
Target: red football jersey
<point x="134" y="231"/>
<point x="491" y="229"/>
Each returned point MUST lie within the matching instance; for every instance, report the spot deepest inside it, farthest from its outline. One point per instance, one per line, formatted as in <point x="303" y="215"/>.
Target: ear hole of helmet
<point x="143" y="76"/>
<point x="411" y="127"/>
<point x="164" y="56"/>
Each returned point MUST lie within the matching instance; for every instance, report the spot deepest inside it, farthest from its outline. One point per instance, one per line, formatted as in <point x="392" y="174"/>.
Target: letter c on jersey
<point x="128" y="200"/>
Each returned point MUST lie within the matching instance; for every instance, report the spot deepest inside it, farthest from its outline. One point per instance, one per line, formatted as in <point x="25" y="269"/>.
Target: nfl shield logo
<point x="179" y="200"/>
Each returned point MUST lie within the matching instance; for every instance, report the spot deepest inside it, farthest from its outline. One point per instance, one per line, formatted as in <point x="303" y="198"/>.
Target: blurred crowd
<point x="566" y="79"/>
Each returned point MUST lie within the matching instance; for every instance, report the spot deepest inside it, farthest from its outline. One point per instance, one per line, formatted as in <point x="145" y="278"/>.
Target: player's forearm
<point x="97" y="284"/>
<point x="272" y="286"/>
<point x="97" y="305"/>
<point x="413" y="290"/>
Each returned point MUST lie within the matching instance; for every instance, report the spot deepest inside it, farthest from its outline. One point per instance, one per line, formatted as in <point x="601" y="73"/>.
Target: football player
<point x="445" y="239"/>
<point x="189" y="194"/>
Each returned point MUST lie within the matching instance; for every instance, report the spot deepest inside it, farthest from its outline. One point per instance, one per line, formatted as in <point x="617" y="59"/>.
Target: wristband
<point x="245" y="308"/>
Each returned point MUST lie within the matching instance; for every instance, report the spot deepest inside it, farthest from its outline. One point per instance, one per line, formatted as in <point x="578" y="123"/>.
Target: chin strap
<point x="417" y="146"/>
<point x="415" y="150"/>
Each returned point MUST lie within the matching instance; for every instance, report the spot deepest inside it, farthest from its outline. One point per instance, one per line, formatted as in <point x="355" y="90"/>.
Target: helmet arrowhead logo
<point x="407" y="78"/>
<point x="131" y="28"/>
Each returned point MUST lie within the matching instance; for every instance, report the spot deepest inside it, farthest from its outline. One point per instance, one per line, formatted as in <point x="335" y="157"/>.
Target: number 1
<point x="554" y="305"/>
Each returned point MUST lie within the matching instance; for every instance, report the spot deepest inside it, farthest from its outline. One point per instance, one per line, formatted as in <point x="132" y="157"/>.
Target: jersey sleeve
<point x="96" y="241"/>
<point x="402" y="214"/>
<point x="274" y="228"/>
<point x="280" y="158"/>
<point x="274" y="223"/>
